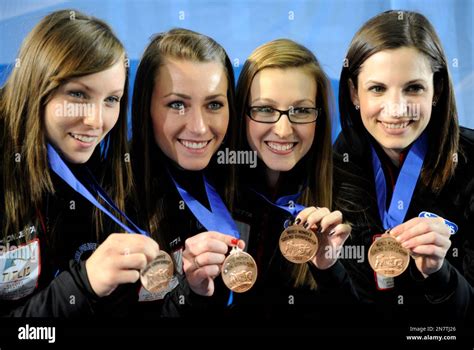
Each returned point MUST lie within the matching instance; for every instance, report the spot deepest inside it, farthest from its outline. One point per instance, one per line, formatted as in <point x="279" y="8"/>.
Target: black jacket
<point x="446" y="294"/>
<point x="273" y="297"/>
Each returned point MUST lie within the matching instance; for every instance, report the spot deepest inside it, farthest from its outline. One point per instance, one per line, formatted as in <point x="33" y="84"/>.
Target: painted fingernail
<point x="234" y="241"/>
<point x="306" y="225"/>
<point x="297" y="221"/>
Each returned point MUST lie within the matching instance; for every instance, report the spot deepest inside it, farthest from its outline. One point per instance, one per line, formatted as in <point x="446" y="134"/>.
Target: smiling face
<point x="281" y="145"/>
<point x="395" y="93"/>
<point x="190" y="111"/>
<point x="82" y="111"/>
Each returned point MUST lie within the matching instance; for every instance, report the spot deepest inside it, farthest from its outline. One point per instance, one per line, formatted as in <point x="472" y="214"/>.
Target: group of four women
<point x="86" y="210"/>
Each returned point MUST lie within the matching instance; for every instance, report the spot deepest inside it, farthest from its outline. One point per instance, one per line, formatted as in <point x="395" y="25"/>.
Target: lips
<point x="281" y="147"/>
<point x="194" y="145"/>
<point x="84" y="137"/>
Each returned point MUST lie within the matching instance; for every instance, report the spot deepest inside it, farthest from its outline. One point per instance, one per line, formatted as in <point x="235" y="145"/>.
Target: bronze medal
<point x="387" y="257"/>
<point x="298" y="244"/>
<point x="156" y="276"/>
<point x="239" y="271"/>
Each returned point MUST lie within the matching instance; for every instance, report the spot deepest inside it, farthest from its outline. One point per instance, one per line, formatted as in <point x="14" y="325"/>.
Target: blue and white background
<point x="324" y="26"/>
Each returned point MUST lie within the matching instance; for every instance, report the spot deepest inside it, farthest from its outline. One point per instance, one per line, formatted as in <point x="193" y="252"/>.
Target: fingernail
<point x="305" y="225"/>
<point x="332" y="232"/>
<point x="297" y="221"/>
<point x="234" y="241"/>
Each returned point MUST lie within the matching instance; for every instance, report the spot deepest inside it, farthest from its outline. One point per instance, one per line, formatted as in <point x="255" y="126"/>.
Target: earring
<point x="356" y="107"/>
<point x="434" y="103"/>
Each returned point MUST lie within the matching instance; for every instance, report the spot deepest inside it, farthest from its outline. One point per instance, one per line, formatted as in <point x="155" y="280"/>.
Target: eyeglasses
<point x="270" y="115"/>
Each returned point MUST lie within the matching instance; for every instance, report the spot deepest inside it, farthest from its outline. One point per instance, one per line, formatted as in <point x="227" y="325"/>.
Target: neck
<point x="272" y="178"/>
<point x="394" y="155"/>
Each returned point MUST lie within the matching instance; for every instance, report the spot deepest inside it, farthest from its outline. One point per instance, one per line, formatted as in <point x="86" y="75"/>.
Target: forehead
<point x="191" y="75"/>
<point x="396" y="64"/>
<point x="288" y="82"/>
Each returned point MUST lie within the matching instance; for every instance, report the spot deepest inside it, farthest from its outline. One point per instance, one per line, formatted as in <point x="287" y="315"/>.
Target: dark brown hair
<point x="392" y="30"/>
<point x="179" y="44"/>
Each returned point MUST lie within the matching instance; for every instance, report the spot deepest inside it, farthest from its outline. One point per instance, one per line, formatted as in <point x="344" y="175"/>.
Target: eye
<point x="77" y="94"/>
<point x="302" y="110"/>
<point x="415" y="88"/>
<point x="177" y="105"/>
<point x="377" y="89"/>
<point x="112" y="100"/>
<point x="264" y="109"/>
<point x="215" y="105"/>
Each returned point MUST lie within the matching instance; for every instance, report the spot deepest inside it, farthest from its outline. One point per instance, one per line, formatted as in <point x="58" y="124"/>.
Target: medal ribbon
<point x="286" y="203"/>
<point x="217" y="219"/>
<point x="404" y="187"/>
<point x="58" y="165"/>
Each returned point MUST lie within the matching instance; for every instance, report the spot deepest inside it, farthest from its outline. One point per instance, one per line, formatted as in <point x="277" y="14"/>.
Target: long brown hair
<point x="392" y="30"/>
<point x="285" y="53"/>
<point x="63" y="45"/>
<point x="187" y="45"/>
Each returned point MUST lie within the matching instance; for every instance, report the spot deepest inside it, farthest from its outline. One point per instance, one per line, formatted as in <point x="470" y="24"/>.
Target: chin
<point x="194" y="166"/>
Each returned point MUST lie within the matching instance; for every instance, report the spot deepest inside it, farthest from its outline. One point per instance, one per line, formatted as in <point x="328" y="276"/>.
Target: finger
<point x="400" y="229"/>
<point x="427" y="238"/>
<point x="209" y="271"/>
<point x="209" y="258"/>
<point x="127" y="276"/>
<point x="136" y="261"/>
<point x="423" y="227"/>
<point x="315" y="217"/>
<point x="332" y="219"/>
<point x="303" y="215"/>
<point x="429" y="250"/>
<point x="340" y="230"/>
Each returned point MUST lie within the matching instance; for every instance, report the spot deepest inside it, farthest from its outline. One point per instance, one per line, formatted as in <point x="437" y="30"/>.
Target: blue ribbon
<point x="62" y="170"/>
<point x="286" y="203"/>
<point x="404" y="187"/>
<point x="217" y="219"/>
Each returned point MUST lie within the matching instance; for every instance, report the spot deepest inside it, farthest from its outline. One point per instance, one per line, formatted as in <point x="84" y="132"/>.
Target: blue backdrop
<point x="324" y="26"/>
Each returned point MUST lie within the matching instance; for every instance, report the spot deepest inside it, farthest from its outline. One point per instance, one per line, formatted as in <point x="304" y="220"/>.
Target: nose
<point x="396" y="106"/>
<point x="93" y="115"/>
<point x="196" y="123"/>
<point x="283" y="127"/>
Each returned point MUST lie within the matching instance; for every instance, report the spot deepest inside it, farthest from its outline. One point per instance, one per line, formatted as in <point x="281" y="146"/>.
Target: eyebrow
<point x="269" y="100"/>
<point x="187" y="97"/>
<point x="90" y="89"/>
<point x="419" y="80"/>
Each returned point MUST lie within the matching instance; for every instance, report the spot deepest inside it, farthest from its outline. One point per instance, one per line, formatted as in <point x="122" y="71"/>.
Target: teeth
<point x="395" y="125"/>
<point x="194" y="145"/>
<point x="84" y="138"/>
<point x="281" y="146"/>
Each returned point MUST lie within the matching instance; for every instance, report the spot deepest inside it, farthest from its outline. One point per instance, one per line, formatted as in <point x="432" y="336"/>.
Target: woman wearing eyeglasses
<point x="284" y="115"/>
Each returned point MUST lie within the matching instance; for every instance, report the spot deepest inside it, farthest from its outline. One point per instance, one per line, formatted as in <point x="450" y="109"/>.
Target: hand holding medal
<point x="387" y="257"/>
<point x="427" y="240"/>
<point x="316" y="236"/>
<point x="205" y="255"/>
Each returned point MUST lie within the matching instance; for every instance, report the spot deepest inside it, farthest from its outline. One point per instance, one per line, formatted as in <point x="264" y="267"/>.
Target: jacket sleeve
<point x="335" y="282"/>
<point x="68" y="295"/>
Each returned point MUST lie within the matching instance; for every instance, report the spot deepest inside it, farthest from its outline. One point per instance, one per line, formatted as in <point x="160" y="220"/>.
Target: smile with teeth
<point x="84" y="138"/>
<point x="194" y="144"/>
<point x="278" y="146"/>
<point x="396" y="125"/>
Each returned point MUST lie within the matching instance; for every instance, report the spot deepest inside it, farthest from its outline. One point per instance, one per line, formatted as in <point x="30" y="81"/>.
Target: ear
<point x="353" y="92"/>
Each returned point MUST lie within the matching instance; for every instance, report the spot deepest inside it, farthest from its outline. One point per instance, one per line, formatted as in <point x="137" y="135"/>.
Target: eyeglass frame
<point x="283" y="112"/>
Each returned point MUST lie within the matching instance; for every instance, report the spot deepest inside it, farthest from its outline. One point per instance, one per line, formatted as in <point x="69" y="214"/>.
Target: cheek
<point x="307" y="137"/>
<point x="111" y="119"/>
<point x="255" y="134"/>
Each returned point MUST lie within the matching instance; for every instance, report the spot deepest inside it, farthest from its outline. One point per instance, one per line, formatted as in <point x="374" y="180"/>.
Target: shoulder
<point x="466" y="141"/>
